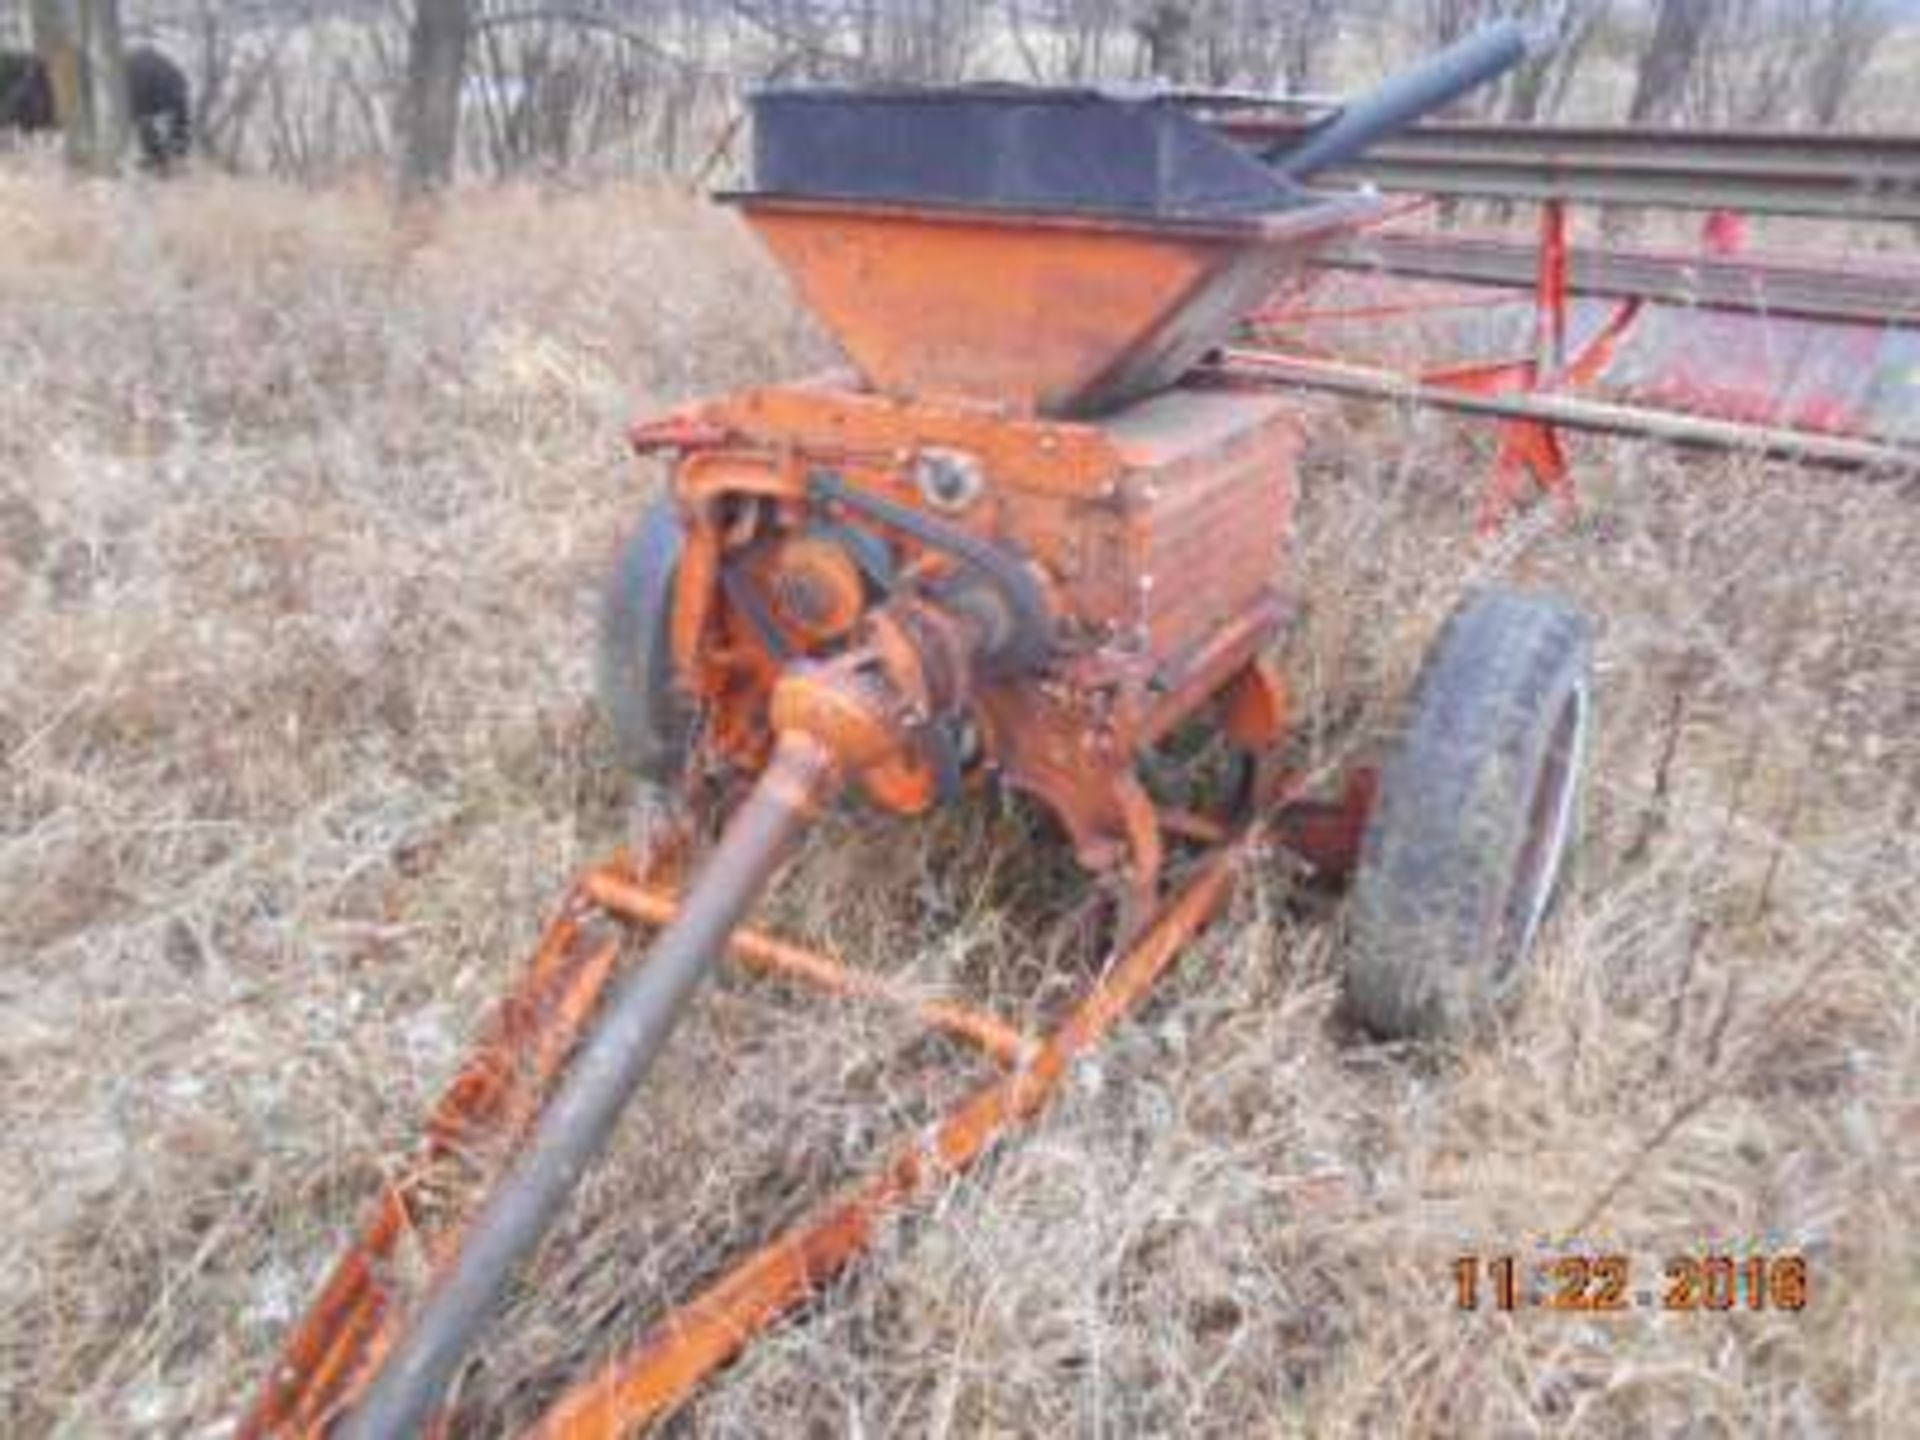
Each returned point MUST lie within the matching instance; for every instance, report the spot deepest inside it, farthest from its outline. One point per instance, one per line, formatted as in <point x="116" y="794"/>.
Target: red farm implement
<point x="1809" y="357"/>
<point x="1038" y="531"/>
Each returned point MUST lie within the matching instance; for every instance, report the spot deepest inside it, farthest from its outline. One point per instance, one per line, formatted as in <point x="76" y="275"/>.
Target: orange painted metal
<point x="1327" y="834"/>
<point x="1020" y="459"/>
<point x="1159" y="532"/>
<point x="1256" y="707"/>
<point x="931" y="580"/>
<point x="1033" y="313"/>
<point x="831" y="420"/>
<point x="499" y="1091"/>
<point x="488" y="1108"/>
<point x="1160" y="537"/>
<point x="814" y="588"/>
<point x="703" y="1335"/>
<point x="1531" y="450"/>
<point x="1187" y="824"/>
<point x="652" y="905"/>
<point x="1779" y="355"/>
<point x="489" y="1105"/>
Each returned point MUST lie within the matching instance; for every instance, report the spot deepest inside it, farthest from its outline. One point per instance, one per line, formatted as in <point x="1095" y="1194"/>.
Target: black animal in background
<point x="157" y="88"/>
<point x="26" y="99"/>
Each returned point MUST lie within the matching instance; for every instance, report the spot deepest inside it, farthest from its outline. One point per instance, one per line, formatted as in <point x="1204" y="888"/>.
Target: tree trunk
<point x="1165" y="34"/>
<point x="1311" y="26"/>
<point x="1668" y="61"/>
<point x="1843" y="44"/>
<point x="79" y="43"/>
<point x="430" y="109"/>
<point x="1539" y="84"/>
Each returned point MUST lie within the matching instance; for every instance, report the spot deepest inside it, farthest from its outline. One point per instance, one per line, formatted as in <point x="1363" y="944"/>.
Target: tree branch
<point x="604" y="24"/>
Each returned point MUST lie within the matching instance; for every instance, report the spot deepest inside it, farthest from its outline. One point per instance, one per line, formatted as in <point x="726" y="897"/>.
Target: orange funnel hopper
<point x="1053" y="252"/>
<point x="1045" y="313"/>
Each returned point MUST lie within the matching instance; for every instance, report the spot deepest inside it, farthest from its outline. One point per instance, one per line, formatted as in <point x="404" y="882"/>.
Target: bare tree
<point x="1538" y="86"/>
<point x="1164" y="30"/>
<point x="922" y="40"/>
<point x="562" y="86"/>
<point x="1068" y="40"/>
<point x="315" y="88"/>
<point x="1784" y="62"/>
<point x="1845" y="40"/>
<point x="1310" y="28"/>
<point x="1673" y="49"/>
<point x="1749" y="65"/>
<point x="79" y="43"/>
<point x="1257" y="44"/>
<point x="1441" y="22"/>
<point x="436" y="65"/>
<point x="1252" y="44"/>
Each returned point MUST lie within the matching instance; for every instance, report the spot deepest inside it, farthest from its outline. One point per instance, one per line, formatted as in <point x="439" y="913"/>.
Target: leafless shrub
<point x="1755" y="62"/>
<point x="311" y="88"/>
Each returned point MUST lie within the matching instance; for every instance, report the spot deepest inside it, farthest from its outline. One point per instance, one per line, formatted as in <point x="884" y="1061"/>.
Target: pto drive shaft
<point x="612" y="1060"/>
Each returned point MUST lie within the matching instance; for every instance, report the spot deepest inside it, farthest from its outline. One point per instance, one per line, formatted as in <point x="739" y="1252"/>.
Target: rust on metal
<point x="1327" y="833"/>
<point x="1028" y="543"/>
<point x="486" y="1108"/>
<point x="1033" y="313"/>
<point x="1259" y="368"/>
<point x="707" y="1332"/>
<point x="1163" y="526"/>
<point x="765" y="955"/>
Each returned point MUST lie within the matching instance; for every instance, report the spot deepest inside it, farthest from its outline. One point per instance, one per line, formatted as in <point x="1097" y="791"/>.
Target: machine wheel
<point x="1475" y="814"/>
<point x="652" y="721"/>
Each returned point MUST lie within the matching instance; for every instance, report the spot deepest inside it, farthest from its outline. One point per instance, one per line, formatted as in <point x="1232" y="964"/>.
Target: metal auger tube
<point x="1438" y="80"/>
<point x="576" y="1125"/>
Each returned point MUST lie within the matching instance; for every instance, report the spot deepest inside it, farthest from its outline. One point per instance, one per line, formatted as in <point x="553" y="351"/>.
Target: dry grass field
<point x="302" y="521"/>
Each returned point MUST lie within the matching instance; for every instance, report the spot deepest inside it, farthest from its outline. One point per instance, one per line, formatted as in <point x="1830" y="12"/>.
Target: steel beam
<point x="1760" y="172"/>
<point x="1763" y="287"/>
<point x="1264" y="368"/>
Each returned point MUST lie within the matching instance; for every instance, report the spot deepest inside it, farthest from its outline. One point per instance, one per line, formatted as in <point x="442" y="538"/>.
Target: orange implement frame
<point x="332" y="1355"/>
<point x="492" y="1101"/>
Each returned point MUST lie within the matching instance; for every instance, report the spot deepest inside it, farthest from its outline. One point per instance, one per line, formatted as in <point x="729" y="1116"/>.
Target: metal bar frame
<point x="640" y="903"/>
<point x="328" y="1364"/>
<point x="490" y="1105"/>
<point x="1747" y="286"/>
<point x="1527" y="394"/>
<point x="1848" y="177"/>
<point x="1267" y="368"/>
<point x="704" y="1334"/>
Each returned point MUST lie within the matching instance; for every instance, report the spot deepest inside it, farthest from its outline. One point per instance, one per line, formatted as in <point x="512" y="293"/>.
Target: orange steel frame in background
<point x="485" y="1112"/>
<point x="1534" y="397"/>
<point x="1531" y="459"/>
<point x="1531" y="449"/>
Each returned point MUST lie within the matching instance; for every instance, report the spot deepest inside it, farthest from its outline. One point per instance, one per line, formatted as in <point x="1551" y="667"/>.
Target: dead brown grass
<point x="300" y="527"/>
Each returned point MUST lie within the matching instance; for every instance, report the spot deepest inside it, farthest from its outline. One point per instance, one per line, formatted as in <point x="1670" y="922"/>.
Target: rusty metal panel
<point x="1853" y="378"/>
<point x="1836" y="379"/>
<point x="1037" y="313"/>
<point x="1208" y="498"/>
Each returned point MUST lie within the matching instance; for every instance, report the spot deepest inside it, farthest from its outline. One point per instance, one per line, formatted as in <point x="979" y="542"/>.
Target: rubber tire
<point x="1449" y="896"/>
<point x="651" y="718"/>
